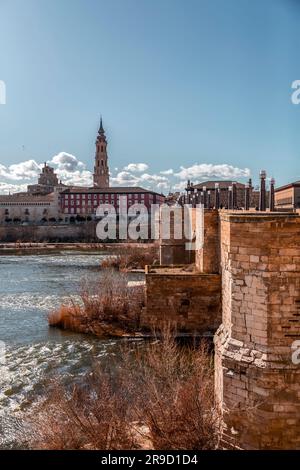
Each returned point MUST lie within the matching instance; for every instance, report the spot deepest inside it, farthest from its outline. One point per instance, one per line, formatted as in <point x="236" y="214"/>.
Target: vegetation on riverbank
<point x="157" y="397"/>
<point x="133" y="258"/>
<point x="110" y="308"/>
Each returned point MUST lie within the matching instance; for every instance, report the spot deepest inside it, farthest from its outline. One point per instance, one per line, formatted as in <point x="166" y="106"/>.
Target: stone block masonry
<point x="257" y="385"/>
<point x="191" y="300"/>
<point x="49" y="233"/>
<point x="208" y="257"/>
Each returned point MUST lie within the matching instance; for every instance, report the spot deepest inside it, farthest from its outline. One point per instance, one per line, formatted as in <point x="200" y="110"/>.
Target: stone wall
<point x="257" y="384"/>
<point x="50" y="233"/>
<point x="208" y="257"/>
<point x="173" y="242"/>
<point x="190" y="300"/>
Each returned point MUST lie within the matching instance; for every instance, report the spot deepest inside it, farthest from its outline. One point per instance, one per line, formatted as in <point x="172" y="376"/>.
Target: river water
<point x="30" y="351"/>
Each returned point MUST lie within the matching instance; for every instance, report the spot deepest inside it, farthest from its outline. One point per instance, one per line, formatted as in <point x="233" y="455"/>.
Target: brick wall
<point x="191" y="300"/>
<point x="207" y="258"/>
<point x="256" y="380"/>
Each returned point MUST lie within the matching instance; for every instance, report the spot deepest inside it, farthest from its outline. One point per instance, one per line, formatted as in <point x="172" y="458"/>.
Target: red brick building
<point x="84" y="201"/>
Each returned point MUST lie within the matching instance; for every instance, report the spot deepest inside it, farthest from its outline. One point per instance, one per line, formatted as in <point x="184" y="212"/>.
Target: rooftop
<point x="223" y="184"/>
<point x="117" y="189"/>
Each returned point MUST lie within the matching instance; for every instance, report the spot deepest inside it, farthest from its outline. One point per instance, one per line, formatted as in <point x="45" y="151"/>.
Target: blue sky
<point x="201" y="88"/>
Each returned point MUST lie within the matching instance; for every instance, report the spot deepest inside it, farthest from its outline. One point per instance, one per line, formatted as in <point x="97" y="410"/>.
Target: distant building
<point x="83" y="202"/>
<point x="29" y="208"/>
<point x="51" y="201"/>
<point x="205" y="192"/>
<point x="288" y="196"/>
<point x="47" y="182"/>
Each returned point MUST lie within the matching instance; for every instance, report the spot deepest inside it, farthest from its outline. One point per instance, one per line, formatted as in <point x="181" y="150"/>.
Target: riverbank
<point x="37" y="248"/>
<point x="33" y="284"/>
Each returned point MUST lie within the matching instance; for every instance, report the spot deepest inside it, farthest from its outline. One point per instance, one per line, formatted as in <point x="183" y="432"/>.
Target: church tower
<point x="101" y="170"/>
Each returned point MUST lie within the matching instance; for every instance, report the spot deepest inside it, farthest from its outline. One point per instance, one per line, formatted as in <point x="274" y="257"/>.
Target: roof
<point x="116" y="189"/>
<point x="222" y="184"/>
<point x="24" y="197"/>
<point x="295" y="184"/>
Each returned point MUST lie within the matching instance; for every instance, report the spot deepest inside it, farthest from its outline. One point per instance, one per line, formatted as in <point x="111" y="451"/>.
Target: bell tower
<point x="101" y="170"/>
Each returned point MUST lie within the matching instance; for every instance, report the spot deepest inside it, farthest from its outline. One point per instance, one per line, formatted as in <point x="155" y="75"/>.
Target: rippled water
<point x="30" y="286"/>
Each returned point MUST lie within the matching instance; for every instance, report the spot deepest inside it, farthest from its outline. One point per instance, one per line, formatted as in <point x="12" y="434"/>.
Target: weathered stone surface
<point x="257" y="385"/>
<point x="192" y="301"/>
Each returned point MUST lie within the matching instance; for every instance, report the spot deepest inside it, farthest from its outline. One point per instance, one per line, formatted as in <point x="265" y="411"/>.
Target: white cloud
<point x="67" y="167"/>
<point x="163" y="185"/>
<point x="67" y="162"/>
<point x="74" y="172"/>
<point x="21" y="171"/>
<point x="136" y="167"/>
<point x="153" y="178"/>
<point x="9" y="188"/>
<point x="124" y="178"/>
<point x="77" y="178"/>
<point x="208" y="170"/>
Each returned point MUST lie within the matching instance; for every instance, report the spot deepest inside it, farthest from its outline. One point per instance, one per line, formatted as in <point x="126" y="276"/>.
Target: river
<point x="30" y="351"/>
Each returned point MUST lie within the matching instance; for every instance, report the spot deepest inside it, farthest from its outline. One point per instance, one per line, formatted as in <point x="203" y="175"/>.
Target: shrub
<point x="157" y="397"/>
<point x="110" y="308"/>
<point x="131" y="258"/>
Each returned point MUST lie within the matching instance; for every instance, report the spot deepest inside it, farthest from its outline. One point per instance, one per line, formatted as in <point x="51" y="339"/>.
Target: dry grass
<point x="110" y="308"/>
<point x="158" y="397"/>
<point x="131" y="258"/>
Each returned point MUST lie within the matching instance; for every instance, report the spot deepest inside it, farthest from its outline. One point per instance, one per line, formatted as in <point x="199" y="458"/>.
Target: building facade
<point x="51" y="201"/>
<point x="47" y="182"/>
<point x="26" y="208"/>
<point x="83" y="202"/>
<point x="288" y="196"/>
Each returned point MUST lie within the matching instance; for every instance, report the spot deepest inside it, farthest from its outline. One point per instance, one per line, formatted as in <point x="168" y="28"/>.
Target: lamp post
<point x="262" y="194"/>
<point x="247" y="197"/>
<point x="229" y="197"/>
<point x="217" y="196"/>
<point x="272" y="195"/>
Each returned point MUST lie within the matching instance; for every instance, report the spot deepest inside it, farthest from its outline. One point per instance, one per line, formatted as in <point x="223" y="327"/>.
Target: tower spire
<point x="101" y="130"/>
<point x="101" y="169"/>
